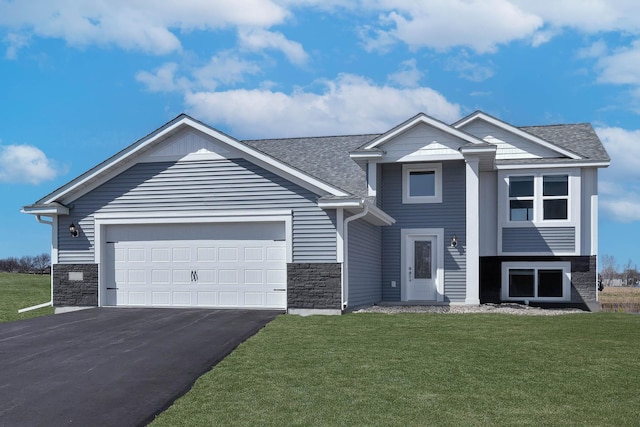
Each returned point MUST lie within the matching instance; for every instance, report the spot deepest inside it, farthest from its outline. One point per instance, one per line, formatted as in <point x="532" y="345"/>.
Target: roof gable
<point x="420" y="119"/>
<point x="513" y="143"/>
<point x="183" y="138"/>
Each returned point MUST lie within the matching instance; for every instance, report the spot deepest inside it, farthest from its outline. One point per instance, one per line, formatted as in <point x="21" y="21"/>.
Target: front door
<point x="421" y="268"/>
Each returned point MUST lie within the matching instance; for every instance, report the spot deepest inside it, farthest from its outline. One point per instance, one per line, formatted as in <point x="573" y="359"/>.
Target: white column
<point x="472" y="244"/>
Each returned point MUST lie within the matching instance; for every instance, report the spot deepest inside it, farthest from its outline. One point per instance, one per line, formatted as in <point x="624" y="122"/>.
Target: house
<point x="427" y="212"/>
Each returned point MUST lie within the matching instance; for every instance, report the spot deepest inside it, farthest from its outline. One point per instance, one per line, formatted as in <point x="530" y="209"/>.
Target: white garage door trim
<point x="102" y="221"/>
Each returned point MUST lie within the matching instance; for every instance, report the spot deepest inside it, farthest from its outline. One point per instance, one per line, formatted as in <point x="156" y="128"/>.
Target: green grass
<point x="425" y="369"/>
<point x="23" y="290"/>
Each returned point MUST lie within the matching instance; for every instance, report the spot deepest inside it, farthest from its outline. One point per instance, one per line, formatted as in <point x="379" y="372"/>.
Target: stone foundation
<point x="314" y="286"/>
<point x="75" y="285"/>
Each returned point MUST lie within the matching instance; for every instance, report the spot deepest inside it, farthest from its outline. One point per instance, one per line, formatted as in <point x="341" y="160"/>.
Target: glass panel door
<point x="422" y="259"/>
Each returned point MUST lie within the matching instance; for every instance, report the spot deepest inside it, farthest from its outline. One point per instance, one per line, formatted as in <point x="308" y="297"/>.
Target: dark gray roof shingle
<point x="326" y="158"/>
<point x="579" y="138"/>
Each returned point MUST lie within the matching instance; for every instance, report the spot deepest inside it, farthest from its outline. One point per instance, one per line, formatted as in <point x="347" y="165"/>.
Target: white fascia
<point x="379" y="217"/>
<point x="262" y="159"/>
<point x="359" y="155"/>
<point x="516" y="131"/>
<point x="422" y="118"/>
<point x="53" y="210"/>
<point x="553" y="165"/>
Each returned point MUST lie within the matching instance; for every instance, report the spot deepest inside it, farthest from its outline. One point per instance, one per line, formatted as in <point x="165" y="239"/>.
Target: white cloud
<point x="621" y="67"/>
<point x="620" y="183"/>
<point x="596" y="50"/>
<point x="469" y="70"/>
<point x="350" y="104"/>
<point x="260" y="39"/>
<point x="25" y="164"/>
<point x="225" y="68"/>
<point x="442" y="24"/>
<point x="15" y="42"/>
<point x="132" y="24"/>
<point x="408" y="75"/>
<point x="163" y="79"/>
<point x="222" y="69"/>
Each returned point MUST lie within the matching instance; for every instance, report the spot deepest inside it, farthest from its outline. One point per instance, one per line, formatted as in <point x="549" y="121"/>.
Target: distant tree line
<point x="612" y="275"/>
<point x="39" y="264"/>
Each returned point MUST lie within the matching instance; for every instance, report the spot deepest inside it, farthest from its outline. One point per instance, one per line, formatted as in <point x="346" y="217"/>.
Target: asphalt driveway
<point x="109" y="366"/>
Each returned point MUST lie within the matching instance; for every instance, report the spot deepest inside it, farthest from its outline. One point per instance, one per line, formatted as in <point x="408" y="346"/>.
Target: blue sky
<point x="80" y="80"/>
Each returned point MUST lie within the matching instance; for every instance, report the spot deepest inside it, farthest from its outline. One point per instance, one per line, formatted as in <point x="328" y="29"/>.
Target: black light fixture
<point x="454" y="241"/>
<point x="73" y="230"/>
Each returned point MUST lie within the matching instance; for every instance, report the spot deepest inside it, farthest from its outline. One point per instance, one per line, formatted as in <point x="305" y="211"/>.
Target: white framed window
<point x="536" y="281"/>
<point x="422" y="183"/>
<point x="542" y="197"/>
<point x="521" y="197"/>
<point x="555" y="197"/>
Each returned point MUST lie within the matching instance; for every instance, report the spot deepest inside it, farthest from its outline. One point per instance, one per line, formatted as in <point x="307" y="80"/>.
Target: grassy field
<point x="23" y="290"/>
<point x="425" y="369"/>
<point x="620" y="299"/>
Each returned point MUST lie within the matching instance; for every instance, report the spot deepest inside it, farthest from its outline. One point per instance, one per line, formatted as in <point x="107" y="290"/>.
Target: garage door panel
<point x="254" y="299"/>
<point x="160" y="255"/>
<point x="206" y="299"/>
<point x="228" y="277"/>
<point x="206" y="277"/>
<point x="276" y="253"/>
<point x="199" y="273"/>
<point x="161" y="298"/>
<point x="206" y="254"/>
<point x="254" y="277"/>
<point x="228" y="298"/>
<point x="181" y="254"/>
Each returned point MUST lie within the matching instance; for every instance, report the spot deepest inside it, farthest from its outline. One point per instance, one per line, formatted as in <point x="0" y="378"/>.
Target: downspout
<point x="345" y="268"/>
<point x="46" y="304"/>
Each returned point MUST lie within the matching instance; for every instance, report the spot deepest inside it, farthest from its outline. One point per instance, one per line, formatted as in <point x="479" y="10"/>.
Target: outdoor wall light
<point x="73" y="230"/>
<point x="454" y="241"/>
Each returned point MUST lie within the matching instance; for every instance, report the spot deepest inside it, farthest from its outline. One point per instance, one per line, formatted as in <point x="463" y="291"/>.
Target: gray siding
<point x="216" y="185"/>
<point x="450" y="215"/>
<point x="365" y="268"/>
<point x="539" y="240"/>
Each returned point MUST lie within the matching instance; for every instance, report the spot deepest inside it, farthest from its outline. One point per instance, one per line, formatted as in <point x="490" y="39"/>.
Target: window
<point x="555" y="196"/>
<point x="521" y="198"/>
<point x="547" y="194"/>
<point x="542" y="281"/>
<point x="422" y="183"/>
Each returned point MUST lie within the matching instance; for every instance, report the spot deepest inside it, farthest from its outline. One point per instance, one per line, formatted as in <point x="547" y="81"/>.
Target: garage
<point x="216" y="265"/>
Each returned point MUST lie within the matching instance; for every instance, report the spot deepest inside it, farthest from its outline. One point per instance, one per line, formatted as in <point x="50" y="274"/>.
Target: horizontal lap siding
<point x="365" y="269"/>
<point x="218" y="185"/>
<point x="539" y="239"/>
<point x="450" y="215"/>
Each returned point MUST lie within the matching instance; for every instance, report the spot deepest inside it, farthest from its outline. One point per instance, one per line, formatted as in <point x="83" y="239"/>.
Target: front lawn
<point x="425" y="369"/>
<point x="23" y="290"/>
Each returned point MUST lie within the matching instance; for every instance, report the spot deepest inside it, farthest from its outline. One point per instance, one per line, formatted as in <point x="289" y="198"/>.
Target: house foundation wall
<point x="583" y="278"/>
<point x="314" y="286"/>
<point x="75" y="285"/>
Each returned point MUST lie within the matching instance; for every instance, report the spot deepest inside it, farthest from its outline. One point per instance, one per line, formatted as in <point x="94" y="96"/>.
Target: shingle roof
<point x="327" y="158"/>
<point x="579" y="138"/>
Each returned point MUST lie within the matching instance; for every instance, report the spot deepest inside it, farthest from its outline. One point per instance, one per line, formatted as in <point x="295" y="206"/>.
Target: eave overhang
<point x="51" y="209"/>
<point x="375" y="215"/>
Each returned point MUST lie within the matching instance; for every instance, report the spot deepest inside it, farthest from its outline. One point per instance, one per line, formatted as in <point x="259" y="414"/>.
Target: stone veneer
<point x="314" y="286"/>
<point x="583" y="278"/>
<point x="75" y="293"/>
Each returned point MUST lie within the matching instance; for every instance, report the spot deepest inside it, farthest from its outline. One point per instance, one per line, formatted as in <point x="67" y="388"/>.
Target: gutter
<point x="46" y="304"/>
<point x="345" y="262"/>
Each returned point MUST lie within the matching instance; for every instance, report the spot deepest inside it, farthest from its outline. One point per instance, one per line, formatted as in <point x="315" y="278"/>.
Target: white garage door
<point x="197" y="266"/>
